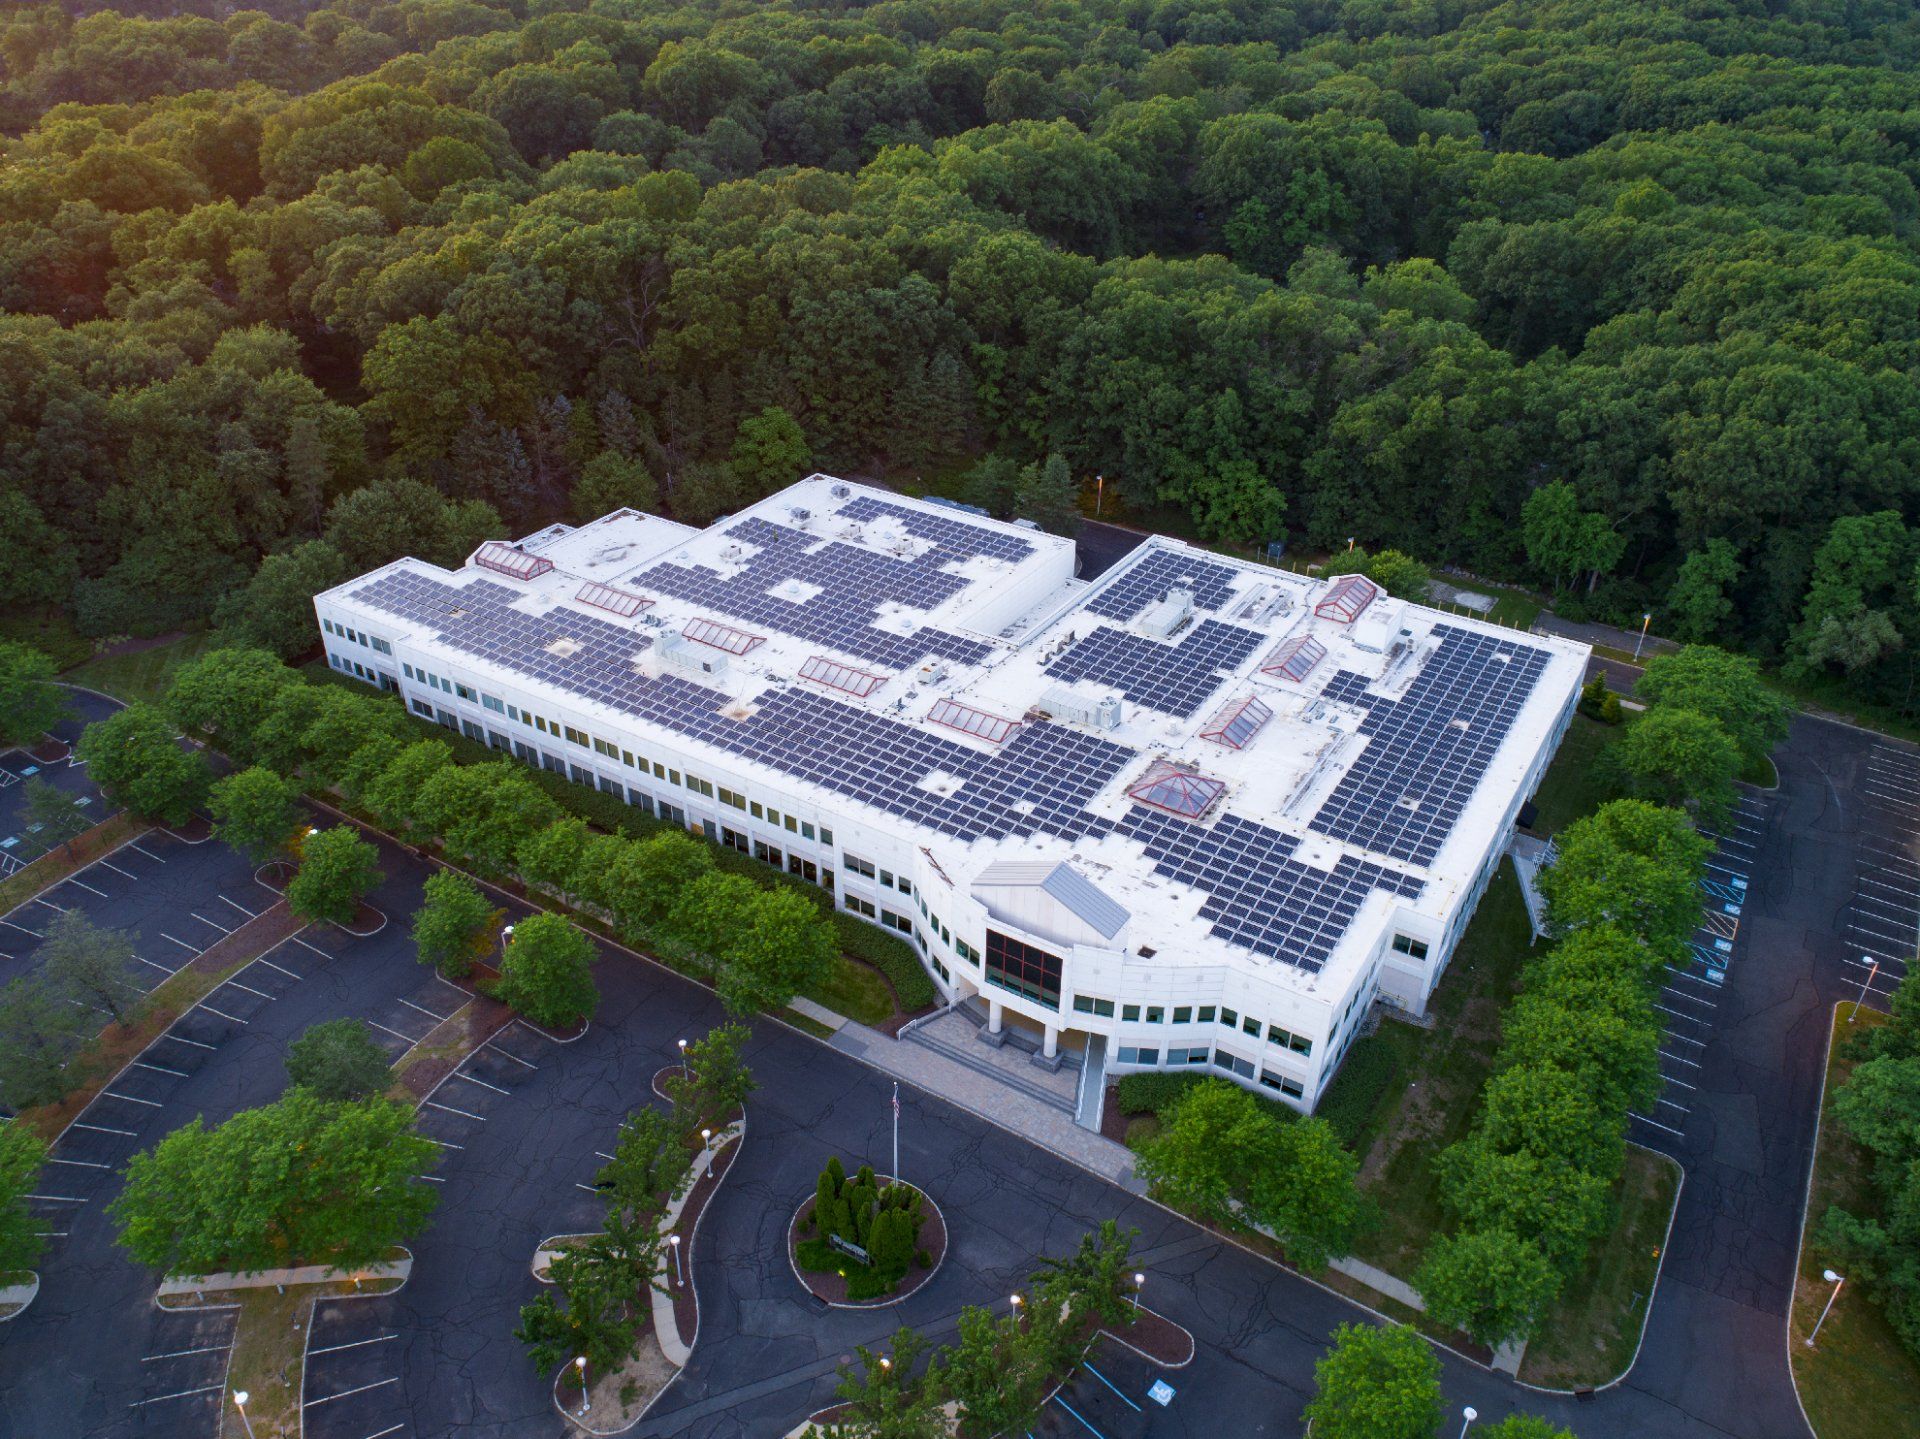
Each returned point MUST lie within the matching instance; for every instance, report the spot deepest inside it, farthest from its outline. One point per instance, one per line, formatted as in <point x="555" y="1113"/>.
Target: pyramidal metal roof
<point x="1066" y="884"/>
<point x="1177" y="791"/>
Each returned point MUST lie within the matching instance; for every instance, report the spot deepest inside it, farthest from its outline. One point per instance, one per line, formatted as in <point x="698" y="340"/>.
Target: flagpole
<point x="896" y="1131"/>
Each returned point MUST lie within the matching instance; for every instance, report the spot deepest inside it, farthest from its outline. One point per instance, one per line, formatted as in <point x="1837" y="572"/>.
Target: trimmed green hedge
<point x="893" y="956"/>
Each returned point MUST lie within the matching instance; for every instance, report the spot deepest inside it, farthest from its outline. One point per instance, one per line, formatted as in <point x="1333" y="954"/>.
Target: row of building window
<point x="354" y="667"/>
<point x="1409" y="946"/>
<point x="1193" y="1014"/>
<point x="372" y="642"/>
<point x="1231" y="1063"/>
<point x="885" y="877"/>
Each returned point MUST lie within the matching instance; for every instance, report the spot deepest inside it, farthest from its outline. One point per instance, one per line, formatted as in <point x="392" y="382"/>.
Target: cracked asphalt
<point x="1714" y="1361"/>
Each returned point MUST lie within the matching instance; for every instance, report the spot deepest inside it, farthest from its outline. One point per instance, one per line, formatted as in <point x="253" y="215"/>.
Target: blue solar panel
<point x="1148" y="579"/>
<point x="1428" y="750"/>
<point x="853" y="584"/>
<point x="1259" y="897"/>
<point x="1176" y="679"/>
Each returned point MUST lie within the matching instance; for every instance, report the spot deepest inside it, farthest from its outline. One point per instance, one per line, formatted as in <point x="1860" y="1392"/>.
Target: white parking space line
<point x="390" y="1429"/>
<point x="56" y="908"/>
<point x="127" y="873"/>
<point x="304" y="945"/>
<point x="436" y="1018"/>
<point x="249" y="989"/>
<point x="130" y="1099"/>
<point x="182" y="1394"/>
<point x="346" y="1393"/>
<point x="250" y="914"/>
<point x="444" y="1144"/>
<point x="181" y="942"/>
<point x="236" y="1019"/>
<point x="355" y="1344"/>
<point x="411" y="1041"/>
<point x="194" y="913"/>
<point x="135" y="844"/>
<point x="103" y="1129"/>
<point x="160" y="1069"/>
<point x="22" y="928"/>
<point x="87" y="887"/>
<point x="1658" y="1125"/>
<point x="1677" y="1059"/>
<point x="462" y="1074"/>
<point x="282" y="968"/>
<point x="161" y="967"/>
<point x="436" y="1104"/>
<point x="507" y="1055"/>
<point x="183" y="1353"/>
<point x="78" y="1163"/>
<point x="184" y="1040"/>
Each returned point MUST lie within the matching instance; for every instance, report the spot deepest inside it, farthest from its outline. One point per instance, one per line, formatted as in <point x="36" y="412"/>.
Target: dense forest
<point x="311" y="283"/>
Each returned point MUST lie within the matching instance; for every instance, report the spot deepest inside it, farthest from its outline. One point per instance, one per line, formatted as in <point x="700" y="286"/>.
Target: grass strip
<point x="69" y="859"/>
<point x="1858" y="1381"/>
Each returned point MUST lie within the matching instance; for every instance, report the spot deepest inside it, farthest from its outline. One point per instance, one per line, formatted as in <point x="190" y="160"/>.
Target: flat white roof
<point x="945" y="676"/>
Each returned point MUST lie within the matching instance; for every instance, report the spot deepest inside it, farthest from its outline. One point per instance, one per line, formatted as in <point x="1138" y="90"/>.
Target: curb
<point x="793" y="1261"/>
<point x="1806" y="1200"/>
<point x="33" y="1293"/>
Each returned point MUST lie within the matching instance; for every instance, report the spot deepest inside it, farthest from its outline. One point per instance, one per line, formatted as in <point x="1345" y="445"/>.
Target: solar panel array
<point x="1427" y="751"/>
<point x="1258" y="896"/>
<point x="1039" y="782"/>
<point x="1175" y="679"/>
<point x="853" y="583"/>
<point x="951" y="539"/>
<point x="1148" y="580"/>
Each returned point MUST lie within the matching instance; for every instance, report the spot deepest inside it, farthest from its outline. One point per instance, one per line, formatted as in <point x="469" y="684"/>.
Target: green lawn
<point x="1438" y="1078"/>
<point x="1576" y="783"/>
<point x="855" y="990"/>
<point x="1589" y="1337"/>
<point x="144" y="674"/>
<point x="1858" y="1381"/>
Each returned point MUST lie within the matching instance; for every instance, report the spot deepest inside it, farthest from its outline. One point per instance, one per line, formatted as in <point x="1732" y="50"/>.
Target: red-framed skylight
<point x="1294" y="659"/>
<point x="1177" y="791"/>
<point x="834" y="675"/>
<point x="1238" y="722"/>
<point x="992" y="728"/>
<point x="1349" y="595"/>
<point x="606" y="597"/>
<point x="503" y="558"/>
<point x="722" y="637"/>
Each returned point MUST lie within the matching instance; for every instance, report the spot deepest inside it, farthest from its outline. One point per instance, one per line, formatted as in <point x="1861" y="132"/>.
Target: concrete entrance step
<point x="960" y="1054"/>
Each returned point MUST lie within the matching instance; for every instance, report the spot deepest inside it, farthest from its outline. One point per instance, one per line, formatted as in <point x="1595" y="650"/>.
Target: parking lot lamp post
<point x="240" y="1403"/>
<point x="1467" y="1416"/>
<point x="1873" y="968"/>
<point x="1016" y="1301"/>
<point x="581" y="1365"/>
<point x="886" y="1367"/>
<point x="706" y="1140"/>
<point x="1645" y="620"/>
<point x="674" y="1240"/>
<point x="1836" y="1281"/>
<point x="683" y="1059"/>
<point x="1139" y="1283"/>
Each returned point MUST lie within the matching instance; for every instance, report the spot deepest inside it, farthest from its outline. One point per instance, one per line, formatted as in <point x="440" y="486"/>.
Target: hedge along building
<point x="1193" y="813"/>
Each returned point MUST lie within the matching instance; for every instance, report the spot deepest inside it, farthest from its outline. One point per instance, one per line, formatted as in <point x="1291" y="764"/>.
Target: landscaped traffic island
<point x="867" y="1240"/>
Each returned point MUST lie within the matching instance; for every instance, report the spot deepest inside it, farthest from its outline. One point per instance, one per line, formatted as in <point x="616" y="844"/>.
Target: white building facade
<point x="1206" y="811"/>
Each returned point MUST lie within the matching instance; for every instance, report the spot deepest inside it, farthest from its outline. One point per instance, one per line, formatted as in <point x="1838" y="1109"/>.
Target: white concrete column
<point x="1052" y="1042"/>
<point x="994" y="1011"/>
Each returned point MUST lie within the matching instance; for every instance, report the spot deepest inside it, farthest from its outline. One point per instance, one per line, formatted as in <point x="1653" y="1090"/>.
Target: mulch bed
<point x="1157" y="1337"/>
<point x="686" y="1314"/>
<point x="830" y="1286"/>
<point x="194" y="831"/>
<point x="276" y="874"/>
<point x="366" y="921"/>
<point x="1113" y="1124"/>
<point x="51" y="751"/>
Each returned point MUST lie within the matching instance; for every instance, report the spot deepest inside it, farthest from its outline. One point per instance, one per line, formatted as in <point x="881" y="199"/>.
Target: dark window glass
<point x="1020" y="967"/>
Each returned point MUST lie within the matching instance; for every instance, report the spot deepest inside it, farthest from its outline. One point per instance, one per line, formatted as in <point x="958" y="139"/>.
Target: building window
<point x="1233" y="1064"/>
<point x="1155" y="1014"/>
<point x="1412" y="948"/>
<point x="855" y="903"/>
<point x="1183" y="1014"/>
<point x="1250" y="1025"/>
<point x="1228" y="1017"/>
<point x="905" y="926"/>
<point x="767" y="854"/>
<point x="858" y="865"/>
<point x="575" y="736"/>
<point x="1187" y="1056"/>
<point x="1130" y="1013"/>
<point x="580" y="774"/>
<point x="611" y="786"/>
<point x="1298" y="1043"/>
<point x="700" y="786"/>
<point x="733" y="839"/>
<point x="1023" y="968"/>
<point x="1130" y="1055"/>
<point x="732" y="800"/>
<point x="755" y="810"/>
<point x="940" y="969"/>
<point x="489" y="702"/>
<point x="1087" y="1004"/>
<point x="1206" y="1014"/>
<point x="1292" y="1088"/>
<point x="826" y="836"/>
<point x="640" y="799"/>
<point x="466" y="692"/>
<point x="421" y="707"/>
<point x="972" y="955"/>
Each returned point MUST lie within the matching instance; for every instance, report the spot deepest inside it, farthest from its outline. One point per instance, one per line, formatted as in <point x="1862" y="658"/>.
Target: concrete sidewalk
<point x="179" y="1284"/>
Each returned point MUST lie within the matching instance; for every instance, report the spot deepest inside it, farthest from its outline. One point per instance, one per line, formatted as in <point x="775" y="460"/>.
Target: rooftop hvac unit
<point x="931" y="672"/>
<point x="840" y="492"/>
<point x="1166" y="616"/>
<point x="1073" y="707"/>
<point x="682" y="657"/>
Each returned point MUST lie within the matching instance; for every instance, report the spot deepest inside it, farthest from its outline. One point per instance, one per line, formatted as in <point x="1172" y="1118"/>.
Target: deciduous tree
<point x="1376" y="1382"/>
<point x="546" y="972"/>
<point x="255" y="811"/>
<point x="138" y="761"/>
<point x="337" y="868"/>
<point x="338" y="1060"/>
<point x="30" y="702"/>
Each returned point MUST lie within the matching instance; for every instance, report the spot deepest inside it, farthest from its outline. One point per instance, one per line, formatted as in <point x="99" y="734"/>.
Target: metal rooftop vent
<point x="606" y="597"/>
<point x="511" y="560"/>
<point x="1294" y="659"/>
<point x="1177" y="791"/>
<point x="1348" y="596"/>
<point x="722" y="637"/>
<point x="990" y="727"/>
<point x="1237" y="723"/>
<point x="835" y="675"/>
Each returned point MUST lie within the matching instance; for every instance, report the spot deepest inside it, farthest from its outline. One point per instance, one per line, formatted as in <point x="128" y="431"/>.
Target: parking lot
<point x="1883" y="917"/>
<point x="183" y="1373"/>
<point x="19" y="840"/>
<point x="351" y="1383"/>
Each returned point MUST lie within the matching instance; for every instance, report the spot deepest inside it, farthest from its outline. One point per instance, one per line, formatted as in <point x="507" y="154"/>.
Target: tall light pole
<point x="683" y="1059"/>
<point x="674" y="1240"/>
<point x="1645" y="620"/>
<point x="1099" y="494"/>
<point x="1467" y="1416"/>
<point x="896" y="1131"/>
<point x="581" y="1365"/>
<point x="1836" y="1281"/>
<point x="240" y="1403"/>
<point x="706" y="1140"/>
<point x="1139" y="1283"/>
<point x="1872" y="970"/>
